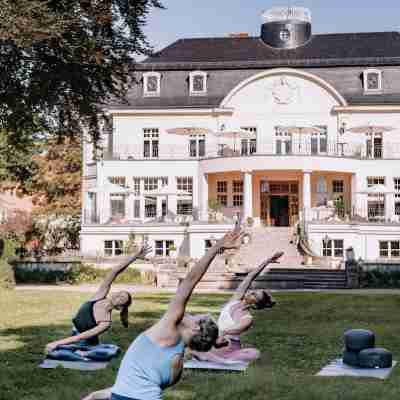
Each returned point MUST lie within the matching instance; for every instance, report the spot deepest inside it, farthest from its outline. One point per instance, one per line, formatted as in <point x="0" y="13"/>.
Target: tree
<point x="56" y="185"/>
<point x="61" y="61"/>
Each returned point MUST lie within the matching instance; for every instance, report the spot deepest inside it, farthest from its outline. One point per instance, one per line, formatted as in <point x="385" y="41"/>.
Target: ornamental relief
<point x="283" y="92"/>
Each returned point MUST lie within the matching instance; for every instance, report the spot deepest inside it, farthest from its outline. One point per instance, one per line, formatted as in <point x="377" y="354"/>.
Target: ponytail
<point x="123" y="315"/>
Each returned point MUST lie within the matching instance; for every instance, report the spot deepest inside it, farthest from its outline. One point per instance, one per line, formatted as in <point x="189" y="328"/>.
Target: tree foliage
<point x="56" y="185"/>
<point x="61" y="61"/>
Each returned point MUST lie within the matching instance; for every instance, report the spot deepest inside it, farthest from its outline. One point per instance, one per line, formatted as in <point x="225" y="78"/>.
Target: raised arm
<point x="177" y="305"/>
<point x="104" y="394"/>
<point x="246" y="283"/>
<point x="105" y="287"/>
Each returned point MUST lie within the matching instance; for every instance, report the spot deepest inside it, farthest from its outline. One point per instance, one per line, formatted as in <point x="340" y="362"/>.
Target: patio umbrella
<point x="109" y="187"/>
<point x="376" y="189"/>
<point x="372" y="129"/>
<point x="166" y="191"/>
<point x="301" y="130"/>
<point x="236" y="134"/>
<point x="187" y="131"/>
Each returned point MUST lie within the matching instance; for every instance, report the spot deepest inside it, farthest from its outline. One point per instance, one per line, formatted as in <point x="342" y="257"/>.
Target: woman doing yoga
<point x="94" y="317"/>
<point x="236" y="319"/>
<point x="154" y="360"/>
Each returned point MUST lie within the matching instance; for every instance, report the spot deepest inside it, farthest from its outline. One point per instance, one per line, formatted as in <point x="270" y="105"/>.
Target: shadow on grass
<point x="296" y="338"/>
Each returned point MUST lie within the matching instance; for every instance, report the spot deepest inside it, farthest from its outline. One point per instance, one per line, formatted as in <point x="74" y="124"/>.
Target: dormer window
<point x="198" y="83"/>
<point x="151" y="84"/>
<point x="372" y="81"/>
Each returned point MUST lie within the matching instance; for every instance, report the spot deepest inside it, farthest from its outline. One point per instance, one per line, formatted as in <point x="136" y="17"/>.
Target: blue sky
<point x="205" y="18"/>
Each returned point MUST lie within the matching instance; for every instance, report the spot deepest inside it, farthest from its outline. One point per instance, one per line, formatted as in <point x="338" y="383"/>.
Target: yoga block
<point x="375" y="358"/>
<point x="351" y="358"/>
<point x="359" y="339"/>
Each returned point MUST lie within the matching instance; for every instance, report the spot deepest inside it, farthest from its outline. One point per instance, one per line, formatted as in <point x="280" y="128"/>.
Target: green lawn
<point x="298" y="337"/>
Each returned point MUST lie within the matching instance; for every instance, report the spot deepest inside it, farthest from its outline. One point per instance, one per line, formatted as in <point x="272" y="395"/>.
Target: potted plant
<point x="250" y="221"/>
<point x="215" y="206"/>
<point x="172" y="251"/>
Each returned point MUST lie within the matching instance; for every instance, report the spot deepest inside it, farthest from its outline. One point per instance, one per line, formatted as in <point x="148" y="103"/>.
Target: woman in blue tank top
<point x="154" y="360"/>
<point x="94" y="317"/>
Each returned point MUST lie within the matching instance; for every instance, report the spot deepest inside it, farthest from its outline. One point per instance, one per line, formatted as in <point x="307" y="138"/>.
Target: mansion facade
<point x="284" y="128"/>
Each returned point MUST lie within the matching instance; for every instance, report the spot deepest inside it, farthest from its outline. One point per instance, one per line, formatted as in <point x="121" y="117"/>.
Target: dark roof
<point x="156" y="103"/>
<point x="375" y="48"/>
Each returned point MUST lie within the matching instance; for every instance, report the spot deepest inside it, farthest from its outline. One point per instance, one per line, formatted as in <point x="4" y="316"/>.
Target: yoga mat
<point x="338" y="368"/>
<point x="79" y="365"/>
<point x="230" y="366"/>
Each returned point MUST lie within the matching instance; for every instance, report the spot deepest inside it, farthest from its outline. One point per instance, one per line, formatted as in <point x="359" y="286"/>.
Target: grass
<point x="297" y="338"/>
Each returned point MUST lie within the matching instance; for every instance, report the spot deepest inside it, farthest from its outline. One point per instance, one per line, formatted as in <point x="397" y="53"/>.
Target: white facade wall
<point x="280" y="97"/>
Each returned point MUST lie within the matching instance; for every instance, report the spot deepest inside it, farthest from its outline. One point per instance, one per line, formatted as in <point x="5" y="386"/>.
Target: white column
<point x="196" y="198"/>
<point x="247" y="194"/>
<point x="307" y="195"/>
<point x="389" y="199"/>
<point x="355" y="207"/>
<point x="105" y="208"/>
<point x="203" y="201"/>
<point x="130" y="207"/>
<point x="172" y="200"/>
<point x="142" y="200"/>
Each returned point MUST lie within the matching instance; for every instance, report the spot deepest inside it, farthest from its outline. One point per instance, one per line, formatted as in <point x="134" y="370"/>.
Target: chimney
<point x="239" y="35"/>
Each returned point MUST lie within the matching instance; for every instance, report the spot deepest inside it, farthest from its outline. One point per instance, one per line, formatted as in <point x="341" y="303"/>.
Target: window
<point x="333" y="248"/>
<point x="374" y="145"/>
<point x="184" y="207"/>
<point x="118" y="180"/>
<point x="150" y="183"/>
<point x="237" y="186"/>
<point x="375" y="180"/>
<point x="207" y="245"/>
<point x="237" y="200"/>
<point x="222" y="186"/>
<point x="284" y="35"/>
<point x="150" y="142"/>
<point x="222" y="200"/>
<point x="185" y="183"/>
<point x="389" y="249"/>
<point x="198" y="83"/>
<point x="162" y="248"/>
<point x="117" y="205"/>
<point x="113" y="247"/>
<point x="249" y="145"/>
<point x="197" y="145"/>
<point x="319" y="141"/>
<point x="372" y="79"/>
<point x="136" y="186"/>
<point x="396" y="196"/>
<point x="337" y="186"/>
<point x="283" y="141"/>
<point x="376" y="207"/>
<point x="150" y="207"/>
<point x="151" y="84"/>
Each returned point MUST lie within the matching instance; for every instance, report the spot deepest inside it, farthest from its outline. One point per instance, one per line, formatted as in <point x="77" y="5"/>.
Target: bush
<point x="7" y="279"/>
<point x="77" y="274"/>
<point x="381" y="279"/>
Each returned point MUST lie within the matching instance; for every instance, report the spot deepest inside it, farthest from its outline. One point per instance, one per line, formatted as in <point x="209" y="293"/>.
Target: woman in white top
<point x="235" y="319"/>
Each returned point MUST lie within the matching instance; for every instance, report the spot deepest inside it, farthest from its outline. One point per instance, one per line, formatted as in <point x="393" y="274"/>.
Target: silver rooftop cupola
<point x="286" y="27"/>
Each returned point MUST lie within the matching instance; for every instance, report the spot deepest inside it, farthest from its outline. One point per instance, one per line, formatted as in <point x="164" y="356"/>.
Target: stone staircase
<point x="265" y="242"/>
<point x="228" y="270"/>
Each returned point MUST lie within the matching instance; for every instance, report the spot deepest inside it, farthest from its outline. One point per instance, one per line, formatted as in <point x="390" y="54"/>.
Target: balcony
<point x="390" y="150"/>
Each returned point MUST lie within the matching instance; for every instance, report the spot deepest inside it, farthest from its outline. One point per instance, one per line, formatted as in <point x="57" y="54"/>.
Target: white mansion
<point x="284" y="128"/>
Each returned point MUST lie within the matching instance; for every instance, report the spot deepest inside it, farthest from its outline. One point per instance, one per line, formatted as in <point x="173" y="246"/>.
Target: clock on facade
<point x="284" y="35"/>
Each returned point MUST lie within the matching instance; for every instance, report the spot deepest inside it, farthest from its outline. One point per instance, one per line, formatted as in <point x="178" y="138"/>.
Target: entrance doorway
<point x="279" y="203"/>
<point x="279" y="210"/>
